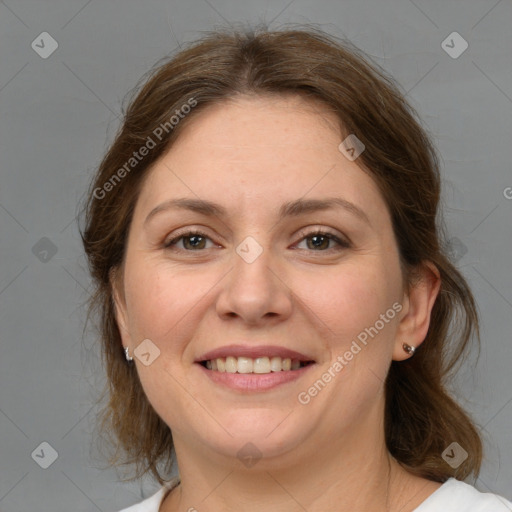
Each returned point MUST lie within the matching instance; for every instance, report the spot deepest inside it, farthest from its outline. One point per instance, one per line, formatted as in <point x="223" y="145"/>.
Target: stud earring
<point x="409" y="349"/>
<point x="127" y="354"/>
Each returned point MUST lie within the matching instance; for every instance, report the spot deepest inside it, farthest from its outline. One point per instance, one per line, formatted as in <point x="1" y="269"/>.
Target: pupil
<point x="318" y="240"/>
<point x="194" y="240"/>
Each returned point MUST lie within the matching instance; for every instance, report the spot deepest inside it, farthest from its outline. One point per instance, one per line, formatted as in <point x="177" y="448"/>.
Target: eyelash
<point x="342" y="244"/>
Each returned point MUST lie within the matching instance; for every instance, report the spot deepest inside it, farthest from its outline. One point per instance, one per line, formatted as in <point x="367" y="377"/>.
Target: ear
<point x="118" y="296"/>
<point x="417" y="307"/>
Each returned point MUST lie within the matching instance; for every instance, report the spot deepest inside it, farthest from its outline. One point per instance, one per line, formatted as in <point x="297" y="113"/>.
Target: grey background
<point x="57" y="116"/>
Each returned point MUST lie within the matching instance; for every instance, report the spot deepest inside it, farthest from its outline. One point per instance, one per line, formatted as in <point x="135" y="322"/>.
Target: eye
<point x="191" y="241"/>
<point x="320" y="241"/>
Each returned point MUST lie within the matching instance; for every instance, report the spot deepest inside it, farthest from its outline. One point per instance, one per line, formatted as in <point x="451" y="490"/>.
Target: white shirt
<point x="452" y="496"/>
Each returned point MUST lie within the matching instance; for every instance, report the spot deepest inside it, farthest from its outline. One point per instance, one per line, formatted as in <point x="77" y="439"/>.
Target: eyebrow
<point x="289" y="209"/>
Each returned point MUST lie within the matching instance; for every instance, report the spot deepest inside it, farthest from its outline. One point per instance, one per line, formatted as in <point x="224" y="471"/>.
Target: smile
<point x="249" y="368"/>
<point x="259" y="365"/>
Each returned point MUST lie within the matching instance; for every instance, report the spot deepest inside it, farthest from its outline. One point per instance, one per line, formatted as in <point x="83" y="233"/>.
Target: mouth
<point x="248" y="368"/>
<point x="258" y="365"/>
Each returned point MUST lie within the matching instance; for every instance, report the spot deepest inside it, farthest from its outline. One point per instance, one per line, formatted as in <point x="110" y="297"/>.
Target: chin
<point x="260" y="434"/>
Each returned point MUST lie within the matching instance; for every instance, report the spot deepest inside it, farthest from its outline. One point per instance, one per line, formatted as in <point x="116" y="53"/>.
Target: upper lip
<point x="253" y="351"/>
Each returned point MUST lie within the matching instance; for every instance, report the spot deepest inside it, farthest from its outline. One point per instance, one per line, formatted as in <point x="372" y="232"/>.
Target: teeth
<point x="244" y="365"/>
<point x="261" y="365"/>
<point x="276" y="364"/>
<point x="232" y="364"/>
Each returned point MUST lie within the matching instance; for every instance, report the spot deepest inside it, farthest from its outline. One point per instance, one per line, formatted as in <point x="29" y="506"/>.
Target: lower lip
<point x="254" y="381"/>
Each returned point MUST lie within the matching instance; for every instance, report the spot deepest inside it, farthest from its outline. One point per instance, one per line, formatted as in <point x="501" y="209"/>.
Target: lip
<point x="254" y="382"/>
<point x="253" y="351"/>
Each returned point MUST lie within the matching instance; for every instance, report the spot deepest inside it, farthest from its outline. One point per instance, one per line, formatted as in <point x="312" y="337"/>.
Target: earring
<point x="127" y="354"/>
<point x="409" y="349"/>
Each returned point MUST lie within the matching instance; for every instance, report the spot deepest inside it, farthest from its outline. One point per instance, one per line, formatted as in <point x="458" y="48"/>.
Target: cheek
<point x="163" y="302"/>
<point x="167" y="303"/>
<point x="161" y="305"/>
<point x="348" y="296"/>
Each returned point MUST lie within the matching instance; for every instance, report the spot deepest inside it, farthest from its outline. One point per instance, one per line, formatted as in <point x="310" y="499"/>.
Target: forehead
<point x="259" y="149"/>
<point x="245" y="125"/>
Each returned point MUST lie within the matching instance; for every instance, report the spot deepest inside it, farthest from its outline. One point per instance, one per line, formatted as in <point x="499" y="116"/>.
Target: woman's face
<point x="251" y="176"/>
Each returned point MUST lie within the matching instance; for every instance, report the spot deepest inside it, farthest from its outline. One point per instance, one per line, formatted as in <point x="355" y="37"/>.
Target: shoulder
<point x="152" y="504"/>
<point x="455" y="496"/>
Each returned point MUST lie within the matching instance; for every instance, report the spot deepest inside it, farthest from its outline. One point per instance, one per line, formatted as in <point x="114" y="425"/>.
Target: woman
<point x="274" y="295"/>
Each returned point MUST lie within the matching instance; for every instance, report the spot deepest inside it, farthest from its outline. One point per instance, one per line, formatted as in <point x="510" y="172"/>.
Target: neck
<point x="351" y="474"/>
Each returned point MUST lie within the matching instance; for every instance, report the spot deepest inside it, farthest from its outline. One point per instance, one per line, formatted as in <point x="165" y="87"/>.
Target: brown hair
<point x="421" y="419"/>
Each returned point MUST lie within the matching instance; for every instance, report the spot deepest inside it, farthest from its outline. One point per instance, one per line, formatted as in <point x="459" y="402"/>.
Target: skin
<point x="251" y="155"/>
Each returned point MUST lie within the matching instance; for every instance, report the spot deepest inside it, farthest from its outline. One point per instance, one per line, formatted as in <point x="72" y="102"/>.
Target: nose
<point x="255" y="291"/>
